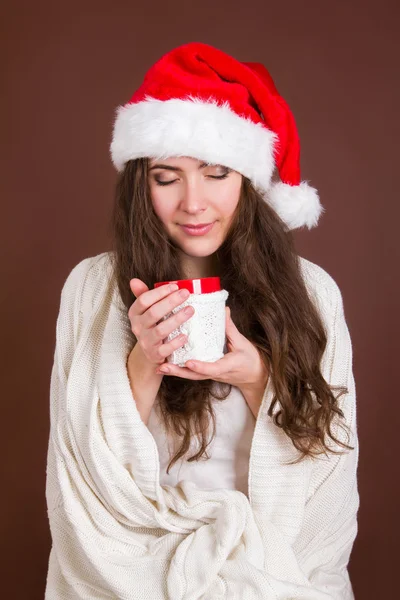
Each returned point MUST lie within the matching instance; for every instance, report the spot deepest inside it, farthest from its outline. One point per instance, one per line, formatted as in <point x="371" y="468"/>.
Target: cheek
<point x="228" y="199"/>
<point x="162" y="205"/>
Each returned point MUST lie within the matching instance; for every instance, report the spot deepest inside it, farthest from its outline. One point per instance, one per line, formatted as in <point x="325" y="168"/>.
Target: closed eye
<point x="224" y="176"/>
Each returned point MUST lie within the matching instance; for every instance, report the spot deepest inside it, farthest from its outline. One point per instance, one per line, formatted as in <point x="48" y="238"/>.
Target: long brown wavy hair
<point x="261" y="271"/>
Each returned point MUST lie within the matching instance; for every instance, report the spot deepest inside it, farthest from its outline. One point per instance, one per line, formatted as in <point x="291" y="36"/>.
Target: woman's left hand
<point x="241" y="366"/>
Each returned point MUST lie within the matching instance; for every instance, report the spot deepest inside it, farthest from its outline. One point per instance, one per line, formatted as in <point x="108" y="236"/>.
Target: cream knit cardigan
<point x="116" y="533"/>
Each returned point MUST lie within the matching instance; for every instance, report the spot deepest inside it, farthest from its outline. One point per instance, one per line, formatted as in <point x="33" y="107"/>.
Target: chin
<point x="198" y="247"/>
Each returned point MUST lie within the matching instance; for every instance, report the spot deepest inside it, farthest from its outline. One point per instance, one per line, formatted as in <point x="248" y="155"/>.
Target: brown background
<point x="66" y="66"/>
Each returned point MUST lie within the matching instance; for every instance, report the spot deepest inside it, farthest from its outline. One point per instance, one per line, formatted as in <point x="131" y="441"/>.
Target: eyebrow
<point x="172" y="168"/>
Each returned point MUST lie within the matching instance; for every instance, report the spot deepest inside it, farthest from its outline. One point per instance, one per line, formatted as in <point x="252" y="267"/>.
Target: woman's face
<point x="187" y="191"/>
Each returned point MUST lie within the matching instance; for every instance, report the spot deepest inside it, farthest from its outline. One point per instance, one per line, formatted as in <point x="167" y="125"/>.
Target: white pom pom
<point x="297" y="205"/>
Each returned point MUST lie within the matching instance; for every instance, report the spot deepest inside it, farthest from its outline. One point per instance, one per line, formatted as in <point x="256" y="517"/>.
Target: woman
<point x="270" y="511"/>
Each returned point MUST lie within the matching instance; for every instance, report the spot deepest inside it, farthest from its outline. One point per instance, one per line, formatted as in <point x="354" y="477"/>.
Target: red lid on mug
<point x="204" y="285"/>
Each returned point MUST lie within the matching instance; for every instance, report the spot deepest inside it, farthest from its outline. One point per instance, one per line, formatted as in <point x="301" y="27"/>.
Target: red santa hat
<point x="198" y="101"/>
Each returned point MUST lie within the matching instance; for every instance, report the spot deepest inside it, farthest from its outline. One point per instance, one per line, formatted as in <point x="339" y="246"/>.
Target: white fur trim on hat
<point x="208" y="131"/>
<point x="297" y="205"/>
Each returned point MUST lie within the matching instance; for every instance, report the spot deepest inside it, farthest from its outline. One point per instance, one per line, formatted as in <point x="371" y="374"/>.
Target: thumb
<point x="230" y="327"/>
<point x="138" y="286"/>
<point x="231" y="331"/>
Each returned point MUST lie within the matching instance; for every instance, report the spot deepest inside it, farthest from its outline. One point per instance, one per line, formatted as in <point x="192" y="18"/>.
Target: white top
<point x="229" y="451"/>
<point x="117" y="533"/>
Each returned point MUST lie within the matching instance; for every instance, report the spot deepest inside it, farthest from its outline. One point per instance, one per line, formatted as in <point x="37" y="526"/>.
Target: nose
<point x="193" y="200"/>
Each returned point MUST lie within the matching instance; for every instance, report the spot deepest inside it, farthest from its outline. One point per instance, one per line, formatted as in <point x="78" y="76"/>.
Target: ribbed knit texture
<point x="205" y="330"/>
<point x="116" y="533"/>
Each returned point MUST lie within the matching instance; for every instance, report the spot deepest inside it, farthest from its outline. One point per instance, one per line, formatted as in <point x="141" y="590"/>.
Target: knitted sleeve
<point x="329" y="527"/>
<point x="68" y="327"/>
<point x="87" y="559"/>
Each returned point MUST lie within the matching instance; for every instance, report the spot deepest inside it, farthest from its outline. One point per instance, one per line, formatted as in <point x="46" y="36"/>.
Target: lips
<point x="198" y="230"/>
<point x="196" y="226"/>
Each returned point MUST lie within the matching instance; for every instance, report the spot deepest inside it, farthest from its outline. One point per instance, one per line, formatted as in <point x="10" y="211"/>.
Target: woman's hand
<point x="242" y="366"/>
<point x="146" y="316"/>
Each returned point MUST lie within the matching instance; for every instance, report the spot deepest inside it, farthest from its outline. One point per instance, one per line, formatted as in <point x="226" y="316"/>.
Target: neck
<point x="196" y="267"/>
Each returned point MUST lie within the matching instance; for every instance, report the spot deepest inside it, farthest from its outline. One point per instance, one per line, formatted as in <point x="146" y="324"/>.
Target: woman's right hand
<point x="148" y="309"/>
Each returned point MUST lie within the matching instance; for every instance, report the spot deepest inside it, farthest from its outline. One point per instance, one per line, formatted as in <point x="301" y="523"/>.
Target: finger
<point x="219" y="368"/>
<point x="232" y="332"/>
<point x="227" y="319"/>
<point x="167" y="348"/>
<point x="150" y="297"/>
<point x="170" y="369"/>
<point x="167" y="315"/>
<point x="138" y="286"/>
